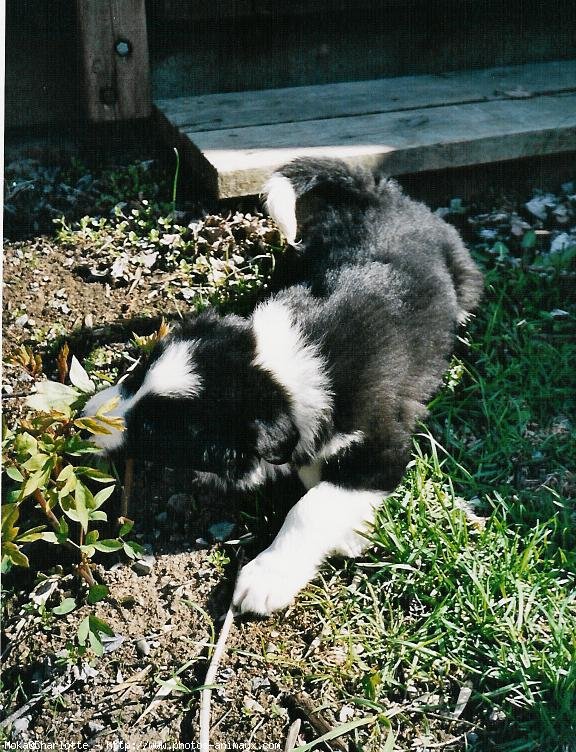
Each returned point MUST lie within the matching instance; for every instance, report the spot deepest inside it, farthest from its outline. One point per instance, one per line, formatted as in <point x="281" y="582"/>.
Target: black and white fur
<point x="327" y="378"/>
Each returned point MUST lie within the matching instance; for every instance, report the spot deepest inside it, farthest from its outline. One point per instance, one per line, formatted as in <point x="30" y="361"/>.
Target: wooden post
<point x="114" y="48"/>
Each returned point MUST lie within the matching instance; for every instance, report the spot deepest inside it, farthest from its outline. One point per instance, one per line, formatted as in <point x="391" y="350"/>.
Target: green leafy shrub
<point x="215" y="260"/>
<point x="51" y="470"/>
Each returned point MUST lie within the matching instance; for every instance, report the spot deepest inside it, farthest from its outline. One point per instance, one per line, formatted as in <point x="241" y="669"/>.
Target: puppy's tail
<point x="303" y="175"/>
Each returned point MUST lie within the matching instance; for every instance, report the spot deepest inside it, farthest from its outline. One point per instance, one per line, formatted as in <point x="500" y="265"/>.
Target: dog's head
<point x="201" y="402"/>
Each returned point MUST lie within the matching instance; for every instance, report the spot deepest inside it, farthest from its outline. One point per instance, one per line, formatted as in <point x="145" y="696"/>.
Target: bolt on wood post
<point x="114" y="52"/>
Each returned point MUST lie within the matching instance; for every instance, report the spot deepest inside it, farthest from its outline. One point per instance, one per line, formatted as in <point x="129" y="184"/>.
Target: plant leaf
<point x="82" y="499"/>
<point x="94" y="474"/>
<point x="95" y="643"/>
<point x="98" y="626"/>
<point x="83" y="629"/>
<point x="14" y="474"/>
<point x="108" y="545"/>
<point x="80" y="378"/>
<point x="10" y="514"/>
<point x="35" y="462"/>
<point x="51" y="395"/>
<point x="102" y="496"/>
<point x="338" y="731"/>
<point x="34" y="534"/>
<point x="98" y="516"/>
<point x="92" y="537"/>
<point x="67" y="605"/>
<point x="13" y="554"/>
<point x="36" y="480"/>
<point x="126" y="527"/>
<point x="97" y="593"/>
<point x="132" y="549"/>
<point x="529" y="240"/>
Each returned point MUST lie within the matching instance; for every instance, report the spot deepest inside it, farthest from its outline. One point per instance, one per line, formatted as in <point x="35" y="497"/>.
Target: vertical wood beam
<point x="114" y="50"/>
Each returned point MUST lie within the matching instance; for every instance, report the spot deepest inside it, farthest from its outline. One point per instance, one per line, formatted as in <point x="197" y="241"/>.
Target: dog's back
<point x="381" y="284"/>
<point x="336" y="217"/>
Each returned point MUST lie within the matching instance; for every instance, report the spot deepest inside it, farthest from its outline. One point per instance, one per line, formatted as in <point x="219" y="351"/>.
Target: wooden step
<point x="403" y="125"/>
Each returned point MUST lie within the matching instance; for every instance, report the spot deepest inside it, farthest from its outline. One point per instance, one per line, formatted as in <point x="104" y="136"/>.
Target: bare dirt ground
<point x="166" y="610"/>
<point x="163" y="611"/>
<point x="162" y="615"/>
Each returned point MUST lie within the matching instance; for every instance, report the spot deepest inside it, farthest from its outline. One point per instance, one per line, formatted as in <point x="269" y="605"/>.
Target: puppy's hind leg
<point x="328" y="520"/>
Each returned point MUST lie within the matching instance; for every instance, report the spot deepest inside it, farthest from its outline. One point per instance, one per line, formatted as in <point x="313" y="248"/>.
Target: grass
<point x="445" y="609"/>
<point x="447" y="602"/>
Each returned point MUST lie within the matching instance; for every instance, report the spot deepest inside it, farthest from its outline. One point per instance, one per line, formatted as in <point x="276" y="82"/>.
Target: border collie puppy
<point x="327" y="378"/>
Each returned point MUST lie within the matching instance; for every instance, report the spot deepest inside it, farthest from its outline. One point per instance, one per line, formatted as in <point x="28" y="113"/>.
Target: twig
<point x="22" y="710"/>
<point x="448" y="742"/>
<point x="222" y="717"/>
<point x="127" y="487"/>
<point x="256" y="728"/>
<point x="31" y="703"/>
<point x="292" y="737"/>
<point x="82" y="568"/>
<point x="305" y="705"/>
<point x="206" y="693"/>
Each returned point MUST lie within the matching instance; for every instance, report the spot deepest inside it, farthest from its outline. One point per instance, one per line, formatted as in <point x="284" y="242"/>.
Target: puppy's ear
<point x="277" y="439"/>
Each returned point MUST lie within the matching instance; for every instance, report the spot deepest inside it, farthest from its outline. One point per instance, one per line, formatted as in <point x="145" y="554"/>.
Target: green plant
<point x="41" y="458"/>
<point x="213" y="261"/>
<point x="175" y="181"/>
<point x="219" y="559"/>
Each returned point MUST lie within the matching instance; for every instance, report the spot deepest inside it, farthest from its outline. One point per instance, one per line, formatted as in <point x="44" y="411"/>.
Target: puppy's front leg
<point x="325" y="521"/>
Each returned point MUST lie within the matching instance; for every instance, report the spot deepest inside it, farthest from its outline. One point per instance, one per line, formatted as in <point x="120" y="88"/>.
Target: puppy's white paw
<point x="269" y="583"/>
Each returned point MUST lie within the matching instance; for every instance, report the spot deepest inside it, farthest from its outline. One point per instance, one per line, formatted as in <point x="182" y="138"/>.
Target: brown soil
<point x="163" y="619"/>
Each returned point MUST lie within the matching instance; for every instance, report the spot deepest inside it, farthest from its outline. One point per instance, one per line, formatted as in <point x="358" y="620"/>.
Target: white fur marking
<point x="338" y="443"/>
<point x="297" y="365"/>
<point x="311" y="474"/>
<point x="172" y="375"/>
<point x="327" y="520"/>
<point x="262" y="472"/>
<point x="281" y="205"/>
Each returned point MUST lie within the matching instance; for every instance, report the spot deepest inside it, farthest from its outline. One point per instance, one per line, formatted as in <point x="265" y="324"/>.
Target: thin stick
<point x="305" y="705"/>
<point x="206" y="693"/>
<point x="292" y="737"/>
<point x="127" y="487"/>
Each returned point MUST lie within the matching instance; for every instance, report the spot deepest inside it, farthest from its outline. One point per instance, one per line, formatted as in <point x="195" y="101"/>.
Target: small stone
<point x="95" y="727"/>
<point x="253" y="706"/>
<point x="22" y="320"/>
<point x="20" y="725"/>
<point x="143" y="647"/>
<point x="260" y="682"/>
<point x="112" y="643"/>
<point x="346" y="713"/>
<point x="144" y="565"/>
